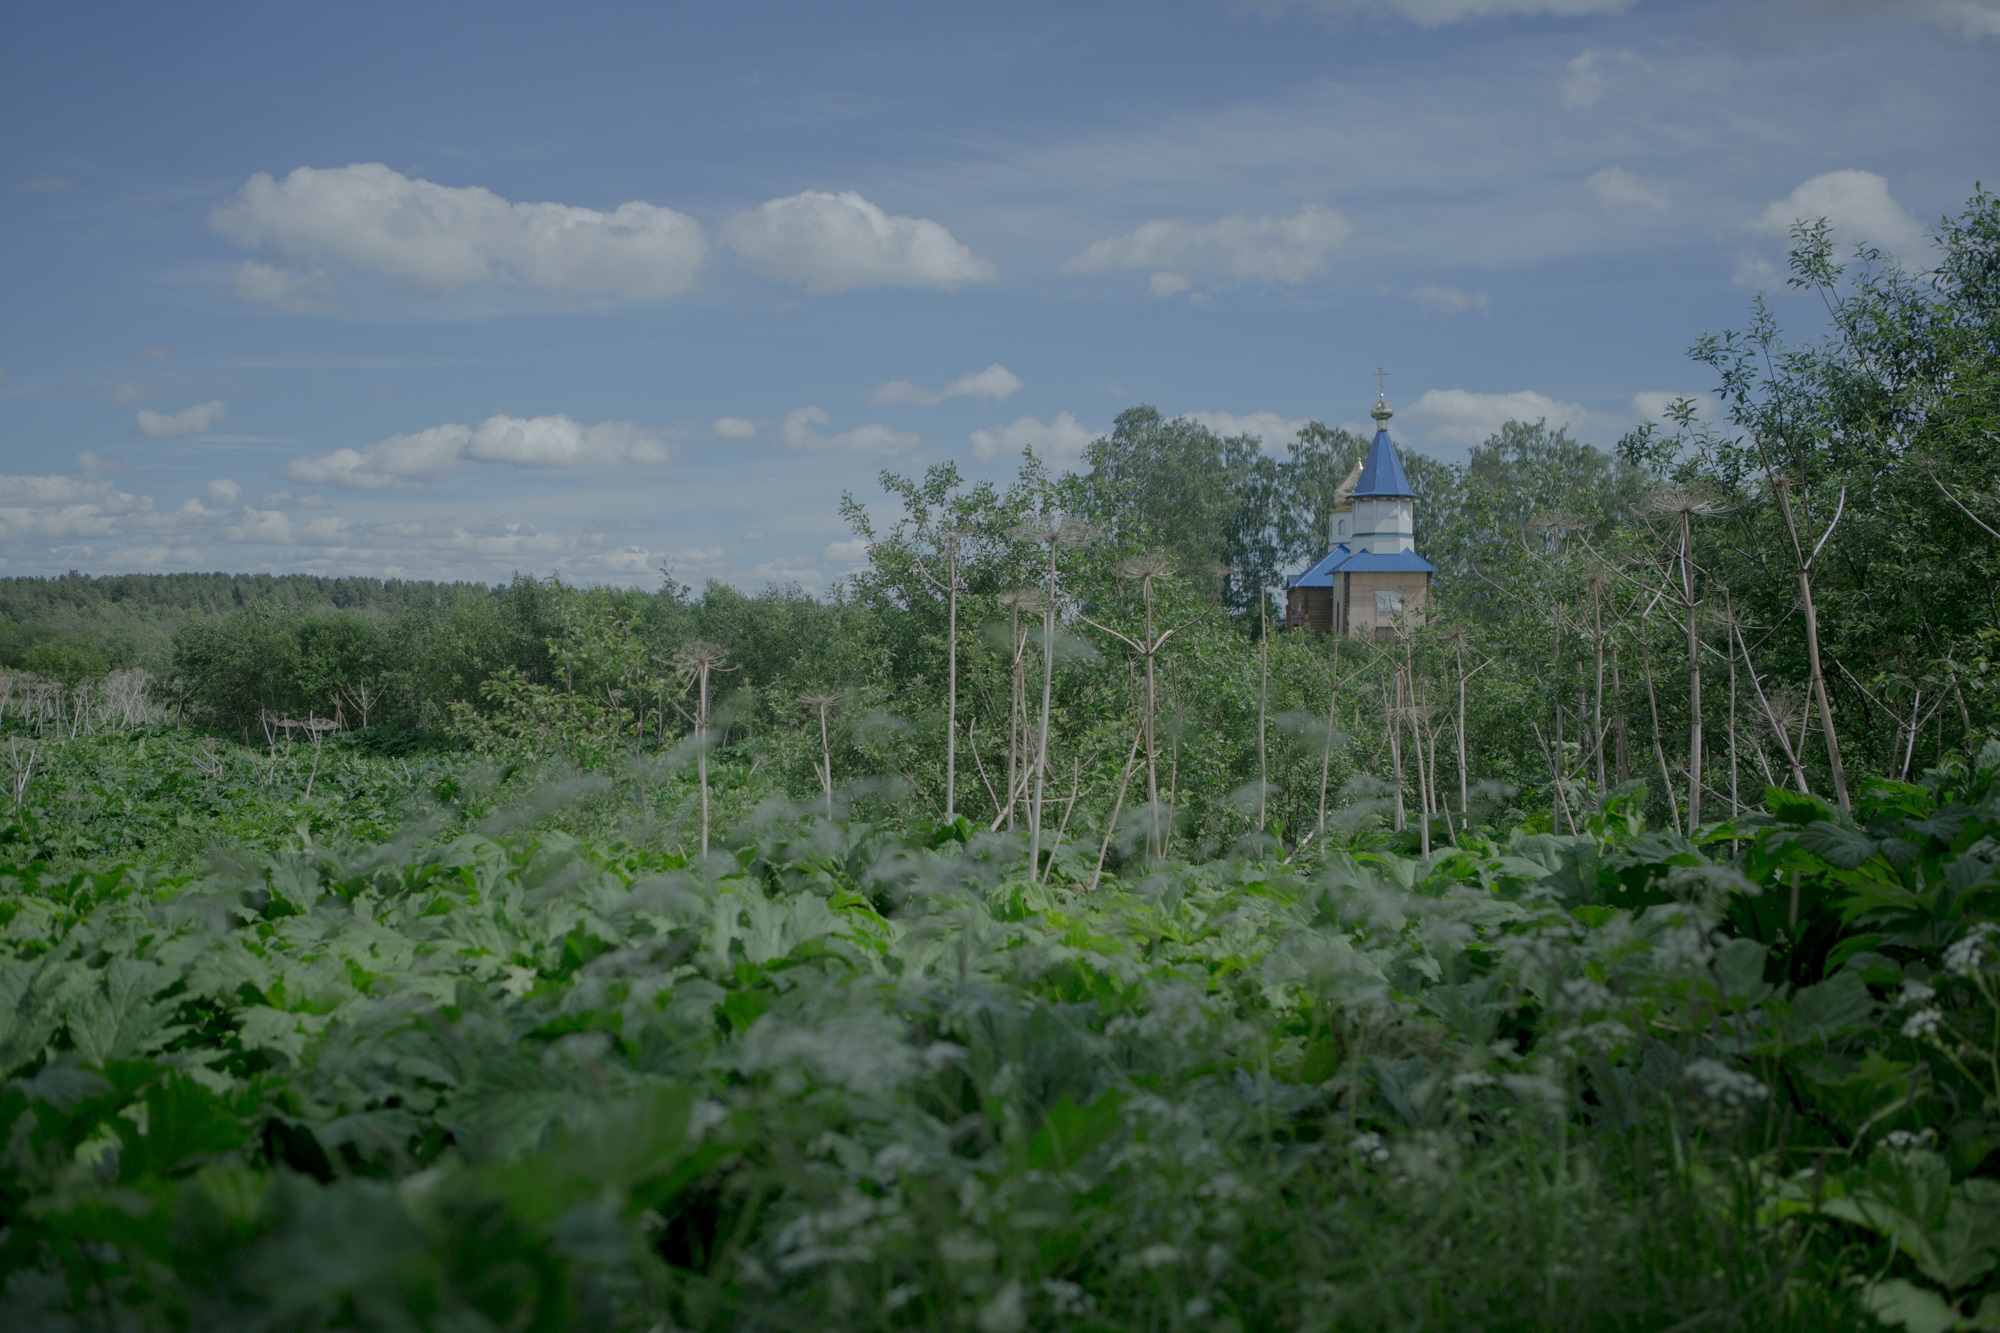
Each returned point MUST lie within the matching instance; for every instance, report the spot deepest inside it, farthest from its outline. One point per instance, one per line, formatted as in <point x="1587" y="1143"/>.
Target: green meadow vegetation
<point x="1028" y="935"/>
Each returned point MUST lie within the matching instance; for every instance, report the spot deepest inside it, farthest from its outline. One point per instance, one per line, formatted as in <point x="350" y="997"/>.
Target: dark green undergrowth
<point x="443" y="1047"/>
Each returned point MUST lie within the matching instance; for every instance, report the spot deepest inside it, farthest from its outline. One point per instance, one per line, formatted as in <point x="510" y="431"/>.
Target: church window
<point x="1388" y="602"/>
<point x="1343" y="527"/>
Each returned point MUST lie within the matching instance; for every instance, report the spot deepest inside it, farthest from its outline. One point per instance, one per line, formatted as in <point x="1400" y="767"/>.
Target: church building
<point x="1372" y="581"/>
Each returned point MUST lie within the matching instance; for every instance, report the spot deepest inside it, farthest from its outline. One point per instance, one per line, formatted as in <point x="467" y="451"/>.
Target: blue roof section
<point x="1342" y="560"/>
<point x="1321" y="574"/>
<point x="1403" y="562"/>
<point x="1382" y="472"/>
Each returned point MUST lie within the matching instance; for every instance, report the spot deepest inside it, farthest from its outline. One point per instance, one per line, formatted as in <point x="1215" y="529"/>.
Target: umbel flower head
<point x="1149" y="566"/>
<point x="1690" y="500"/>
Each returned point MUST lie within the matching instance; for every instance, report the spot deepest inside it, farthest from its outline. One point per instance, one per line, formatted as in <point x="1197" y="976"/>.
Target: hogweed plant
<point x="700" y="662"/>
<point x="823" y="704"/>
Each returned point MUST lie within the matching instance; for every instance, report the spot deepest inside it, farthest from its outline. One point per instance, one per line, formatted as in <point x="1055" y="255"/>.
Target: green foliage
<point x="872" y="1078"/>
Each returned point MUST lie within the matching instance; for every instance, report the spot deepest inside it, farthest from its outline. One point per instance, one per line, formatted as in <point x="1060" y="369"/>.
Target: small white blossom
<point x="1968" y="955"/>
<point x="1923" y="1023"/>
<point x="1902" y="1140"/>
<point x="1066" y="1297"/>
<point x="1719" y="1083"/>
<point x="1158" y="1255"/>
<point x="518" y="981"/>
<point x="1915" y="992"/>
<point x="1471" y="1081"/>
<point x="1369" y="1147"/>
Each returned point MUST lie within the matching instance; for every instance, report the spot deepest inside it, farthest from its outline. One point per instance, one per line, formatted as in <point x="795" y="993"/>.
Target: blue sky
<point x="449" y="291"/>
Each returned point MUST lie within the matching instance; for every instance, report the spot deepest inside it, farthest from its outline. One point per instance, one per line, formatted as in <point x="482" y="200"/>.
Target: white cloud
<point x="798" y="434"/>
<point x="848" y="554"/>
<point x="65" y="508"/>
<point x="42" y="185"/>
<point x="1973" y="18"/>
<point x="1459" y="416"/>
<point x="1754" y="271"/>
<point x="442" y="238"/>
<point x="1061" y="440"/>
<point x="194" y="420"/>
<point x="1857" y="204"/>
<point x="399" y="463"/>
<point x="1583" y="85"/>
<point x="557" y="441"/>
<point x="1437" y="13"/>
<point x="705" y="561"/>
<point x="1274" y="430"/>
<point x="1448" y="300"/>
<point x="223" y="491"/>
<point x="136" y="391"/>
<point x="1267" y="249"/>
<point x="299" y="290"/>
<point x="734" y="428"/>
<point x="1652" y="405"/>
<point x="1616" y="187"/>
<point x="412" y="462"/>
<point x="839" y="242"/>
<point x="995" y="383"/>
<point x="1164" y="284"/>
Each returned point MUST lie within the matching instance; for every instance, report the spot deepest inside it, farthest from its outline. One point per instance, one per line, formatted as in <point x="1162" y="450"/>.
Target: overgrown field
<point x="493" y="1074"/>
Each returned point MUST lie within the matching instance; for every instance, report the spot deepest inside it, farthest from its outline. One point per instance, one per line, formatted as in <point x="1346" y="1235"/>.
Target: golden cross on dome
<point x="1380" y="375"/>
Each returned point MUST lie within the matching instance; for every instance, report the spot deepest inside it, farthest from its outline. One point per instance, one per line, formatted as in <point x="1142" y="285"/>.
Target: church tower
<point x="1372" y="582"/>
<point x="1385" y="510"/>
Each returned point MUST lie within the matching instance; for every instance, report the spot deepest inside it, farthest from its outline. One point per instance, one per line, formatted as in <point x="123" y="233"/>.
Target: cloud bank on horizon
<point x="672" y="320"/>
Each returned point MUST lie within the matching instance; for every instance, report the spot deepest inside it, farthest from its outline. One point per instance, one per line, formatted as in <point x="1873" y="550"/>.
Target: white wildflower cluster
<point x="1586" y="996"/>
<point x="1066" y="1298"/>
<point x="1915" y="993"/>
<point x="1902" y="1140"/>
<point x="1471" y="1081"/>
<point x="1370" y="1148"/>
<point x="1968" y="954"/>
<point x="1684" y="947"/>
<point x="1923" y="1023"/>
<point x="1728" y="1088"/>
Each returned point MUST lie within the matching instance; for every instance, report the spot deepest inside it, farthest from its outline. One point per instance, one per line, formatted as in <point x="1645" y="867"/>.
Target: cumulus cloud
<point x="83" y="505"/>
<point x="1274" y="430"/>
<point x="1653" y="405"/>
<point x="734" y="428"/>
<point x="1583" y="84"/>
<point x="223" y="491"/>
<point x="1618" y="188"/>
<point x="1448" y="300"/>
<point x="1237" y="248"/>
<point x="399" y="463"/>
<point x="848" y="554"/>
<point x="1438" y="13"/>
<point x="301" y="290"/>
<point x="136" y="391"/>
<point x="413" y="462"/>
<point x="1857" y="204"/>
<point x="194" y="420"/>
<point x="557" y="441"/>
<point x="1459" y="416"/>
<point x="798" y="434"/>
<point x="840" y="242"/>
<point x="995" y="383"/>
<point x="441" y="238"/>
<point x="1060" y="441"/>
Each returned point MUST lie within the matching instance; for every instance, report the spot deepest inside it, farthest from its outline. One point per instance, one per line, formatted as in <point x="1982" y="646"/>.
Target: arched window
<point x="1343" y="527"/>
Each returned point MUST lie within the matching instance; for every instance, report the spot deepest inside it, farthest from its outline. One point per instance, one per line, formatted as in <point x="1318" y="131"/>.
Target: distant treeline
<point x="129" y="619"/>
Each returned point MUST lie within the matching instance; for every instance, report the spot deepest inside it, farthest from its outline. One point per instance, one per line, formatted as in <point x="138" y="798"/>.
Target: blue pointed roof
<point x="1382" y="471"/>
